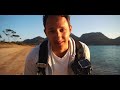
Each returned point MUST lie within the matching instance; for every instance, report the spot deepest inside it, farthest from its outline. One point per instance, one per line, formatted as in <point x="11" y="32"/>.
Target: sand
<point x="12" y="58"/>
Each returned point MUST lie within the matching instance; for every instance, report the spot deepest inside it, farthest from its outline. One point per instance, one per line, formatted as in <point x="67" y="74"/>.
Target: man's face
<point x="58" y="31"/>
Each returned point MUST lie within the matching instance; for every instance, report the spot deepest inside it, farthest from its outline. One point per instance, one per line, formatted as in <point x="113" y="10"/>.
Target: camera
<point x="81" y="67"/>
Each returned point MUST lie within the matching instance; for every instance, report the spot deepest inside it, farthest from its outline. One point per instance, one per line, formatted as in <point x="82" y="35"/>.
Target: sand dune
<point x="12" y="59"/>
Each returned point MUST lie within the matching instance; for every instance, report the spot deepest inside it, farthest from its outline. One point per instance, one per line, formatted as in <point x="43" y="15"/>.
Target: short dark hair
<point x="45" y="17"/>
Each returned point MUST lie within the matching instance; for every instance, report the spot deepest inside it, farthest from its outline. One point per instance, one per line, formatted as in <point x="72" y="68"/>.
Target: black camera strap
<point x="43" y="57"/>
<point x="80" y="65"/>
<point x="79" y="51"/>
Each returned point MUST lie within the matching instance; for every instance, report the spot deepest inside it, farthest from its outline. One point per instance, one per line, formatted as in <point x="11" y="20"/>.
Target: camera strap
<point x="43" y="57"/>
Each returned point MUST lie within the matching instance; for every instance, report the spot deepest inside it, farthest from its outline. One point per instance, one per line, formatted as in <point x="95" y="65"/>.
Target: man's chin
<point x="59" y="45"/>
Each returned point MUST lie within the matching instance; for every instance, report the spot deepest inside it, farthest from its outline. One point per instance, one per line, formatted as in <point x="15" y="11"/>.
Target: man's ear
<point x="70" y="28"/>
<point x="45" y="32"/>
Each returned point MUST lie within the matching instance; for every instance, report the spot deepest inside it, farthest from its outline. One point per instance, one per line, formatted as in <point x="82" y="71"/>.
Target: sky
<point x="31" y="26"/>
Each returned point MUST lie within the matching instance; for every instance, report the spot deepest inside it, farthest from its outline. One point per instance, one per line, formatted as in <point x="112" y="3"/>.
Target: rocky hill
<point x="93" y="38"/>
<point x="97" y="38"/>
<point x="34" y="41"/>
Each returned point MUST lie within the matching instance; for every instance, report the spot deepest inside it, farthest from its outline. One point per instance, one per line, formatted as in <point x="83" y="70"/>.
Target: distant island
<point x="93" y="38"/>
<point x="97" y="38"/>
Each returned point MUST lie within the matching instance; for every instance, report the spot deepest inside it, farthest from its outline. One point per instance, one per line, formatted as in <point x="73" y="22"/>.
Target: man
<point x="61" y="47"/>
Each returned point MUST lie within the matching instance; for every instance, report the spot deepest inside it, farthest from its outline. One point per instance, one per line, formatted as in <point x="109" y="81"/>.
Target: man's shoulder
<point x="34" y="50"/>
<point x="83" y="44"/>
<point x="72" y="38"/>
<point x="37" y="47"/>
<point x="33" y="54"/>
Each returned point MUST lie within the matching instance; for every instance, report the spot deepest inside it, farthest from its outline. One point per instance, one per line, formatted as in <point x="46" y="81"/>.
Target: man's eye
<point x="61" y="30"/>
<point x="51" y="31"/>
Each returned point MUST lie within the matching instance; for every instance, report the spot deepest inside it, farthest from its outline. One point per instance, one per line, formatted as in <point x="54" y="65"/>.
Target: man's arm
<point x="30" y="63"/>
<point x="86" y="51"/>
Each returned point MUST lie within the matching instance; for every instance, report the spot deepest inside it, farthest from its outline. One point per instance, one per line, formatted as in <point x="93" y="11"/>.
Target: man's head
<point x="57" y="29"/>
<point x="45" y="17"/>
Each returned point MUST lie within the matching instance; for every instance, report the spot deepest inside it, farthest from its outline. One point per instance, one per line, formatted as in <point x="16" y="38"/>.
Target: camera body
<point x="81" y="67"/>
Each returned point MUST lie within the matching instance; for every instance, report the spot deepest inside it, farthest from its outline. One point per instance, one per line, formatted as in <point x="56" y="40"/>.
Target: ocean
<point x="105" y="59"/>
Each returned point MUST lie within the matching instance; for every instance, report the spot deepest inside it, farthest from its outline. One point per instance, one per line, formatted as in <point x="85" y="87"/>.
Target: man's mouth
<point x="59" y="42"/>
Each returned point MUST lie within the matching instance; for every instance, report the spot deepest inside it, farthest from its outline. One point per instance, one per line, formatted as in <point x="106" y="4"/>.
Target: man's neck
<point x="60" y="52"/>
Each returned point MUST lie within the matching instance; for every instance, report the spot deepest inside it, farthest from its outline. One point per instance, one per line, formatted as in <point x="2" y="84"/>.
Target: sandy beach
<point x="12" y="58"/>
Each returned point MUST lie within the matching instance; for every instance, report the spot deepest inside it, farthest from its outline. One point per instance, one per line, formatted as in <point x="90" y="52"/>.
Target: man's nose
<point x="58" y="34"/>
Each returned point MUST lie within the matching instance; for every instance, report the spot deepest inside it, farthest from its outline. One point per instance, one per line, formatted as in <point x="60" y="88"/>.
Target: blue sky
<point x="30" y="26"/>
